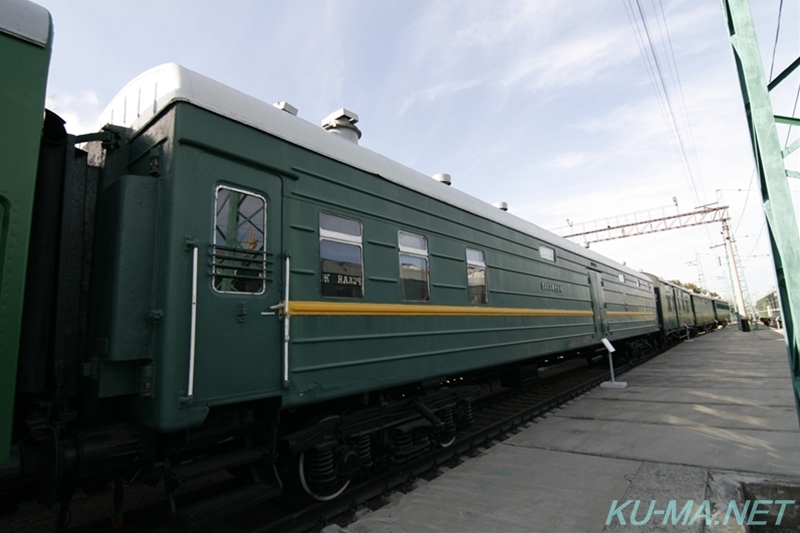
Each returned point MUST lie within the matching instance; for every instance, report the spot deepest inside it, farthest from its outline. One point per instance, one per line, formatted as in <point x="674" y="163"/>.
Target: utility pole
<point x="737" y="285"/>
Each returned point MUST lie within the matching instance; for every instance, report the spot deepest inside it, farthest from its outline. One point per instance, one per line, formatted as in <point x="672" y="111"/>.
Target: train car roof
<point x="658" y="280"/>
<point x="25" y="20"/>
<point x="141" y="101"/>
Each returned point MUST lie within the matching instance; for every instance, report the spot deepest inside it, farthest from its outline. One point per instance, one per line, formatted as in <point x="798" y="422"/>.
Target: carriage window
<point x="476" y="277"/>
<point x="340" y="255"/>
<point x="239" y="252"/>
<point x="545" y="252"/>
<point x="413" y="266"/>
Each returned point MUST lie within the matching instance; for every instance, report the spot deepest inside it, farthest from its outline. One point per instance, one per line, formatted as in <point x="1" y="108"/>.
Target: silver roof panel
<point x="25" y="20"/>
<point x="149" y="93"/>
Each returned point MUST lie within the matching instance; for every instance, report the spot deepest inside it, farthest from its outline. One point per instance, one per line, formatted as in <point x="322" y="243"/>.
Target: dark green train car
<point x="675" y="312"/>
<point x="228" y="220"/>
<point x="703" y="308"/>
<point x="25" y="44"/>
<point x="259" y="291"/>
<point x="722" y="312"/>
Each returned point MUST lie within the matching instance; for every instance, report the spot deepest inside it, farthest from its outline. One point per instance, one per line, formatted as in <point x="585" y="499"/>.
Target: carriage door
<point x="598" y="304"/>
<point x="238" y="347"/>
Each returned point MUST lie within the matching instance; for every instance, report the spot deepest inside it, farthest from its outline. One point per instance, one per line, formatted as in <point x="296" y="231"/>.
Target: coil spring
<point x="321" y="468"/>
<point x="467" y="407"/>
<point x="361" y="444"/>
<point x="447" y="417"/>
<point x="404" y="443"/>
<point x="421" y="441"/>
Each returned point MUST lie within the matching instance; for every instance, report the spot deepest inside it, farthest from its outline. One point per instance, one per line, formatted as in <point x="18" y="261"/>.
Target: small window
<point x="476" y="277"/>
<point x="341" y="257"/>
<point x="413" y="266"/>
<point x="239" y="250"/>
<point x="622" y="278"/>
<point x="547" y="253"/>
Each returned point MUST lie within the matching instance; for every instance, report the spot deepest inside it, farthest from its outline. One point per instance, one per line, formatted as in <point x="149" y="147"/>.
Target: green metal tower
<point x="771" y="168"/>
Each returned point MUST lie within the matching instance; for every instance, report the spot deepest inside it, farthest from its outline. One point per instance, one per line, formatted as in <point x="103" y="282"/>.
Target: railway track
<point x="497" y="414"/>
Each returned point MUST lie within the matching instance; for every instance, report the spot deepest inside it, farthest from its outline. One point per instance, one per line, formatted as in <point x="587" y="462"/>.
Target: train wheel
<point x="318" y="478"/>
<point x="440" y="440"/>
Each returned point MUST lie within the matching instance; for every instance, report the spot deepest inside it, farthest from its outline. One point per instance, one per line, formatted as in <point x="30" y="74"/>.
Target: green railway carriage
<point x="381" y="276"/>
<point x="675" y="312"/>
<point x="703" y="309"/>
<point x="722" y="311"/>
<point x="25" y="44"/>
<point x="253" y="290"/>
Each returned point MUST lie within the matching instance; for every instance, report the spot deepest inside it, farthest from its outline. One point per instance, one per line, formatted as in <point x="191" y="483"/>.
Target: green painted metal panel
<point x="123" y="278"/>
<point x="668" y="307"/>
<point x="703" y="310"/>
<point x="238" y="348"/>
<point x="24" y="66"/>
<point x="332" y="356"/>
<point x="769" y="158"/>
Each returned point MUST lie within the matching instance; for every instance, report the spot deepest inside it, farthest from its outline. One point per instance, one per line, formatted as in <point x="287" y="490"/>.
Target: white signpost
<point x="613" y="384"/>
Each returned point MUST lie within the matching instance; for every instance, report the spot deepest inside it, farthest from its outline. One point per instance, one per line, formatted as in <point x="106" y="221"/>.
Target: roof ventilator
<point x="343" y="122"/>
<point x="286" y="106"/>
<point x="443" y="178"/>
<point x="502" y="206"/>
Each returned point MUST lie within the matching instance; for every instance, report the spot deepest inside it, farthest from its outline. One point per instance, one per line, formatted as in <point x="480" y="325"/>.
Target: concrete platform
<point x="693" y="424"/>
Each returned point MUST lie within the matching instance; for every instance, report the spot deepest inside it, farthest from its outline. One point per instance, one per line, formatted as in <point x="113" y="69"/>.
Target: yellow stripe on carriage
<point x="369" y="309"/>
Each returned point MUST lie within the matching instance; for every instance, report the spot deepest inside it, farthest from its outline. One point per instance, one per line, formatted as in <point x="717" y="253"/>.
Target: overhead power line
<point x="775" y="45"/>
<point x="663" y="72"/>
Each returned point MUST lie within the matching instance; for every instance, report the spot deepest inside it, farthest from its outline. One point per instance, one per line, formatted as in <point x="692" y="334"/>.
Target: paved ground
<point x="693" y="424"/>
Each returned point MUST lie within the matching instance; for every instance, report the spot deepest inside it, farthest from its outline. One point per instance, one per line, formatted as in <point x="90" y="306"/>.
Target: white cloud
<point x="429" y="94"/>
<point x="579" y="60"/>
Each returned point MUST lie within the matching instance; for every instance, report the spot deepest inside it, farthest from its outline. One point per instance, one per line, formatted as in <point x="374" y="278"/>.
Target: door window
<point x="239" y="244"/>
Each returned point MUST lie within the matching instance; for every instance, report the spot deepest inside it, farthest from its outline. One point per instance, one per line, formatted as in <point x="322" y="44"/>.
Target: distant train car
<point x="674" y="306"/>
<point x="703" y="309"/>
<point x="722" y="312"/>
<point x="769" y="309"/>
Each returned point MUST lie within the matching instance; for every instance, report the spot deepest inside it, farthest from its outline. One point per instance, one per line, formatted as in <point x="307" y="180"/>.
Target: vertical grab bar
<point x="193" y="331"/>
<point x="286" y="317"/>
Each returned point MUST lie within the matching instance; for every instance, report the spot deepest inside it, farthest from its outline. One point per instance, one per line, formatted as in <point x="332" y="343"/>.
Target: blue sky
<point x="544" y="104"/>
